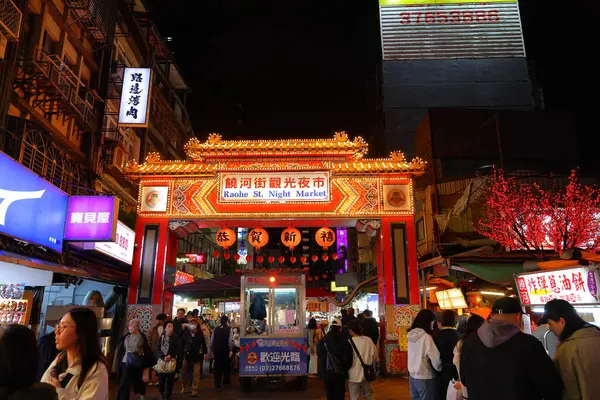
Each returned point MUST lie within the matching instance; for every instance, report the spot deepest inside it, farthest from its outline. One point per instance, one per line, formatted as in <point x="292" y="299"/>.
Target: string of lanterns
<point x="290" y="237"/>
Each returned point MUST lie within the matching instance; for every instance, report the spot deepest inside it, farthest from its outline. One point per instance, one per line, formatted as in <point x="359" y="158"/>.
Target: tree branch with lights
<point x="524" y="216"/>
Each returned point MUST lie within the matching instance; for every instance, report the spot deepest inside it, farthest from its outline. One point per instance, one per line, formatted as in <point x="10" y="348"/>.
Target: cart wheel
<point x="303" y="382"/>
<point x="245" y="384"/>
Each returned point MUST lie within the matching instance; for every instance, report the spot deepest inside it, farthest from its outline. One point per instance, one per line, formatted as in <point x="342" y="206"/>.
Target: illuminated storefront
<point x="310" y="183"/>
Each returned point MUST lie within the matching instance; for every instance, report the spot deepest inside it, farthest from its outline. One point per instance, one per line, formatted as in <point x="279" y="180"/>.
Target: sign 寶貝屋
<point x="575" y="285"/>
<point x="244" y="187"/>
<point x="92" y="218"/>
<point x="31" y="208"/>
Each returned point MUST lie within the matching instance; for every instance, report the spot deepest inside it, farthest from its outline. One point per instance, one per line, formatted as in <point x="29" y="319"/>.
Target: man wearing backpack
<point x="364" y="353"/>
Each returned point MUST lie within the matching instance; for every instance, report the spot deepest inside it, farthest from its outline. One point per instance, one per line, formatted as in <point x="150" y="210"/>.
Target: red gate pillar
<point x="146" y="280"/>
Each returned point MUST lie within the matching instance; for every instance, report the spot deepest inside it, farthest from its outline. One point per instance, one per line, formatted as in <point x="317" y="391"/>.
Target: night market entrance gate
<point x="277" y="183"/>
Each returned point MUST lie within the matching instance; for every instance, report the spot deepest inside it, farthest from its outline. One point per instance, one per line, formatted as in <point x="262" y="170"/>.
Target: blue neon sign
<point x="31" y="208"/>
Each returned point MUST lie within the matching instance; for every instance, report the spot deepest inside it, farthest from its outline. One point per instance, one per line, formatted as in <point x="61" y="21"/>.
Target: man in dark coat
<point x="221" y="346"/>
<point x="501" y="362"/>
<point x="370" y="326"/>
<point x="48" y="352"/>
<point x="337" y="344"/>
<point x="179" y="321"/>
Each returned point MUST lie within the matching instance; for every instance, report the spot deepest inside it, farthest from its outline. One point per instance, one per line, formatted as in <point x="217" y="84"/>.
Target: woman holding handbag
<point x="168" y="362"/>
<point x="136" y="358"/>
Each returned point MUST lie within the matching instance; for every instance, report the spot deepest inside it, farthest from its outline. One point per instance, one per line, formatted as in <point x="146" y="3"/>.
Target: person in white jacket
<point x="79" y="371"/>
<point x="423" y="358"/>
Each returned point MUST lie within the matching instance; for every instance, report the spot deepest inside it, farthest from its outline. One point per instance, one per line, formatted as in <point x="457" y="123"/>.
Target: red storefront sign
<point x="576" y="285"/>
<point x="274" y="280"/>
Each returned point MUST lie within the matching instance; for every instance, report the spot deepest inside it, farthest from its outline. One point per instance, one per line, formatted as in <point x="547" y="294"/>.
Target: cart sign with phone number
<point x="273" y="356"/>
<point x="575" y="285"/>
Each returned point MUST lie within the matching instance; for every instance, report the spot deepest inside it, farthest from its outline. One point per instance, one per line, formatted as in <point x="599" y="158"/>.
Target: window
<point x="286" y="306"/>
<point x="420" y="227"/>
<point x="272" y="311"/>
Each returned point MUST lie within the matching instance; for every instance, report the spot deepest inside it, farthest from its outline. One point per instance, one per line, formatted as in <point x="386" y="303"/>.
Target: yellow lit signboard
<point x="338" y="288"/>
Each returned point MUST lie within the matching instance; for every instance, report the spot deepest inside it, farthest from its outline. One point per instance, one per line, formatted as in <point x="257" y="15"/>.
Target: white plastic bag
<point x="453" y="393"/>
<point x="312" y="364"/>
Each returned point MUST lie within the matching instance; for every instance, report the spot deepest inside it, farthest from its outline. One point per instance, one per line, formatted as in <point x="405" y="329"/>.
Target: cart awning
<point x="223" y="286"/>
<point x="498" y="273"/>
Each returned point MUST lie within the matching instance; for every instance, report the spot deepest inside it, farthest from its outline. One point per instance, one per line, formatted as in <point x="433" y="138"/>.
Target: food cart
<point x="272" y="328"/>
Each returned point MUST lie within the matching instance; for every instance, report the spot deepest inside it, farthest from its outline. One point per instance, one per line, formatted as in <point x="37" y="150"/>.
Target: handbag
<point x="134" y="360"/>
<point x="369" y="371"/>
<point x="334" y="364"/>
<point x="453" y="393"/>
<point x="166" y="367"/>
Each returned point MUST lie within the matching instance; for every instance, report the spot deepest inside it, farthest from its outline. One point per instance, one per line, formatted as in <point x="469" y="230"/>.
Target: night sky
<point x="264" y="69"/>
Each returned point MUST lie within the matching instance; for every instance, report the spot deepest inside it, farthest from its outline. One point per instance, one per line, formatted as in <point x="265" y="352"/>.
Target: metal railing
<point x="10" y="19"/>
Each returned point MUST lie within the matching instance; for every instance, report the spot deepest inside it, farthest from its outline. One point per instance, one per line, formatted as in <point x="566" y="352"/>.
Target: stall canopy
<point x="498" y="273"/>
<point x="223" y="286"/>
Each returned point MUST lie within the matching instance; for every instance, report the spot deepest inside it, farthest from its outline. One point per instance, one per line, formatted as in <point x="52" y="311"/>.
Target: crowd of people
<point x="495" y="359"/>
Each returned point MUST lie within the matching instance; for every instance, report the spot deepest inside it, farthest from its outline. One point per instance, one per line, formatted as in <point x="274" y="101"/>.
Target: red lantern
<point x="310" y="278"/>
<point x="325" y="237"/>
<point x="291" y="237"/>
<point x="334" y="256"/>
<point x="236" y="257"/>
<point x="216" y="254"/>
<point x="292" y="259"/>
<point x="314" y="258"/>
<point x="225" y="237"/>
<point x="260" y="259"/>
<point x="325" y="257"/>
<point x="281" y="259"/>
<point x="317" y="278"/>
<point x="226" y="255"/>
<point x="258" y="237"/>
<point x="303" y="259"/>
<point x="271" y="259"/>
<point x="324" y="276"/>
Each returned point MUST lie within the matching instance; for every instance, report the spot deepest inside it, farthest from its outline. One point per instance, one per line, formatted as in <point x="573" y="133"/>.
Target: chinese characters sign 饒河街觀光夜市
<point x="260" y="356"/>
<point x="245" y="187"/>
<point x="576" y="285"/>
<point x="31" y="208"/>
<point x="135" y="97"/>
<point x="92" y="218"/>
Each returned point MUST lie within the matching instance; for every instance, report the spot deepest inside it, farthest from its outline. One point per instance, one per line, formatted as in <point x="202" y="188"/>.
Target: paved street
<point x="385" y="389"/>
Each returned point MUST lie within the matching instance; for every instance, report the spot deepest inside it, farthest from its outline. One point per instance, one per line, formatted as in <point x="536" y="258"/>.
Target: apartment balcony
<point x="93" y="16"/>
<point x="56" y="90"/>
<point x="166" y="123"/>
<point x="10" y="20"/>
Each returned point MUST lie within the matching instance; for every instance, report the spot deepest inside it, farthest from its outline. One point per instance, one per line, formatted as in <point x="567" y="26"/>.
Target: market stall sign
<point x="181" y="278"/>
<point x="317" y="306"/>
<point x="31" y="209"/>
<point x="576" y="285"/>
<point x="123" y="246"/>
<point x="273" y="356"/>
<point x="279" y="187"/>
<point x="196" y="258"/>
<point x="92" y="218"/>
<point x="135" y="97"/>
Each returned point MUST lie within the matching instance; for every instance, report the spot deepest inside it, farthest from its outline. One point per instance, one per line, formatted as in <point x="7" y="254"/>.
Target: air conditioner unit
<point x="119" y="157"/>
<point x="3" y="43"/>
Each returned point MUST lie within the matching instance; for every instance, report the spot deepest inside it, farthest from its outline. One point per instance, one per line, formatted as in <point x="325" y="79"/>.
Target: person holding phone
<point x="80" y="370"/>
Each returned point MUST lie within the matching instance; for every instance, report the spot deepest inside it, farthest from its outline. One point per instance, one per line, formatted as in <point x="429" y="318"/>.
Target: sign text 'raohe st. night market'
<point x="274" y="187"/>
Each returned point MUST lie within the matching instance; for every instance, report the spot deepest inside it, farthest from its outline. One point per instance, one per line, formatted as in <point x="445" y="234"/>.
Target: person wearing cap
<point x="501" y="362"/>
<point x="335" y="344"/>
<point x="578" y="355"/>
<point x="221" y="345"/>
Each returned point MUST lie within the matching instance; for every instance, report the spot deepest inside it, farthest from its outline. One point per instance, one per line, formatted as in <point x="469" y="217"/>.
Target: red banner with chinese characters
<point x="182" y="278"/>
<point x="576" y="285"/>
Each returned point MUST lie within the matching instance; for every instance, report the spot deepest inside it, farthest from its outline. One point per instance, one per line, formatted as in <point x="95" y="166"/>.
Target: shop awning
<point x="498" y="273"/>
<point x="220" y="287"/>
<point x="14" y="258"/>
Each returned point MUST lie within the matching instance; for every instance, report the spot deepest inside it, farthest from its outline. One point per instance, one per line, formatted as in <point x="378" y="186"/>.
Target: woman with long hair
<point x="336" y="348"/>
<point x="80" y="369"/>
<point x="168" y="350"/>
<point x="423" y="357"/>
<point x="18" y="366"/>
<point x="313" y="339"/>
<point x="578" y="354"/>
<point x="473" y="323"/>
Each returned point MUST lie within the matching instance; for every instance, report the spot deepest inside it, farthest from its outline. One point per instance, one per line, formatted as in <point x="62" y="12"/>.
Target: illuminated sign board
<point x="450" y="29"/>
<point x="280" y="187"/>
<point x="135" y="97"/>
<point x="122" y="247"/>
<point x="575" y="285"/>
<point x="92" y="218"/>
<point x="31" y="209"/>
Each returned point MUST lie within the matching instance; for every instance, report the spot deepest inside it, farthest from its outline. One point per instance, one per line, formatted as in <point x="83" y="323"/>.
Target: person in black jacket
<point x="370" y="327"/>
<point x="221" y="345"/>
<point x="168" y="348"/>
<point x="193" y="352"/>
<point x="48" y="352"/>
<point x="179" y="321"/>
<point x="446" y="342"/>
<point x="501" y="362"/>
<point x="334" y="343"/>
